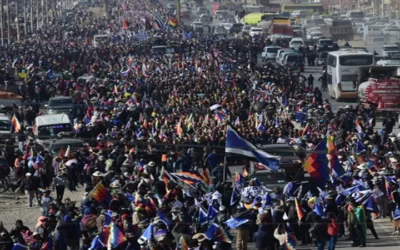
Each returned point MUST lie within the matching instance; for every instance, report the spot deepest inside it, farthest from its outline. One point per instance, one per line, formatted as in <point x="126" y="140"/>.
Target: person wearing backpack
<point x="320" y="232"/>
<point x="333" y="231"/>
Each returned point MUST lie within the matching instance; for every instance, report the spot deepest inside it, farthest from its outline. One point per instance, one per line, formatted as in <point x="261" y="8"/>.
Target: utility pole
<point x="47" y="11"/>
<point x="31" y="9"/>
<point x="24" y="8"/>
<point x="8" y="22"/>
<point x="42" y="2"/>
<point x="178" y="11"/>
<point x="2" y="24"/>
<point x="17" y="18"/>
<point x="37" y="14"/>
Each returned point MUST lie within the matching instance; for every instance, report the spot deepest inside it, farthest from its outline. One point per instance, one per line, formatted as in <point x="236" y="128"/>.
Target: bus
<point x="308" y="8"/>
<point x="343" y="72"/>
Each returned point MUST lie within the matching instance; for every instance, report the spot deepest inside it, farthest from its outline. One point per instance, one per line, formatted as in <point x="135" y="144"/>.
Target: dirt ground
<point x="14" y="206"/>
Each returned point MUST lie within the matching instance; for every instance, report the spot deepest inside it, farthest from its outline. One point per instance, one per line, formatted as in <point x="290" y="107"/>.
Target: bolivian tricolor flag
<point x="299" y="210"/>
<point x="173" y="22"/>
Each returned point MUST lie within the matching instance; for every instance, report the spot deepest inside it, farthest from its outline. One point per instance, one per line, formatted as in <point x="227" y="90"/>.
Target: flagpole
<point x="225" y="163"/>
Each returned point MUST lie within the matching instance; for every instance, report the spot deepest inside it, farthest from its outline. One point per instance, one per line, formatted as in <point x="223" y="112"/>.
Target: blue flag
<point x="234" y="197"/>
<point x="18" y="246"/>
<point x="318" y="209"/>
<point x="235" y="222"/>
<point x="212" y="212"/>
<point x="360" y="147"/>
<point x="97" y="244"/>
<point x="148" y="233"/>
<point x="370" y="204"/>
<point x="211" y="231"/>
<point x="237" y="145"/>
<point x="202" y="217"/>
<point x="39" y="159"/>
<point x="268" y="200"/>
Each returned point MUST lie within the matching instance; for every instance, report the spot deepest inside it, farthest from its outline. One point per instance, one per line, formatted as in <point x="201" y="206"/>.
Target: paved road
<point x="383" y="228"/>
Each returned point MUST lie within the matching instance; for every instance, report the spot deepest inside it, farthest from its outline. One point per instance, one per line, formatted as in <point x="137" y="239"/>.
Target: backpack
<point x="333" y="228"/>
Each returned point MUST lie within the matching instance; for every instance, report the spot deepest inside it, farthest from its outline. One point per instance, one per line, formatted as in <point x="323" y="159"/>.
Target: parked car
<point x="299" y="14"/>
<point x="236" y="28"/>
<point x="296" y="43"/>
<point x="270" y="52"/>
<point x="246" y="30"/>
<point x="205" y="18"/>
<point x="388" y="49"/>
<point x="391" y="31"/>
<point x="220" y="31"/>
<point x="255" y="31"/>
<point x="314" y="35"/>
<point x="201" y="10"/>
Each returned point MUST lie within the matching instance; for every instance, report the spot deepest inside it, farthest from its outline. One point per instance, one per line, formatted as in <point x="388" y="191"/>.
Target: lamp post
<point x="24" y="9"/>
<point x="31" y="21"/>
<point x="17" y="18"/>
<point x="2" y="24"/>
<point x="8" y="22"/>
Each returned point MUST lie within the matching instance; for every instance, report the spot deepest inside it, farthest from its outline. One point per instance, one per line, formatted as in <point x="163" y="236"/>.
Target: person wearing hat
<point x="59" y="183"/>
<point x="45" y="201"/>
<point x="203" y="242"/>
<point x="28" y="185"/>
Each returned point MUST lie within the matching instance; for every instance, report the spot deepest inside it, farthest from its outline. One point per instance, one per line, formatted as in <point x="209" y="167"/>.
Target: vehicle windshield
<point x="272" y="50"/>
<point x="62" y="102"/>
<point x="391" y="48"/>
<point x="270" y="177"/>
<point x="256" y="29"/>
<point x="297" y="43"/>
<point x="53" y="130"/>
<point x="349" y="78"/>
<point x="5" y="125"/>
<point x="326" y="42"/>
<point x="389" y="63"/>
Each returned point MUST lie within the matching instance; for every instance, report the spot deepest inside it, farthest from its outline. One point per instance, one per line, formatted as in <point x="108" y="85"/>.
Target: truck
<point x="379" y="89"/>
<point x="281" y="25"/>
<point x="338" y="30"/>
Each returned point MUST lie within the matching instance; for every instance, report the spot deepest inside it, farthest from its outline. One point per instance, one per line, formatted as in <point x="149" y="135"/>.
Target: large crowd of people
<point x="154" y="173"/>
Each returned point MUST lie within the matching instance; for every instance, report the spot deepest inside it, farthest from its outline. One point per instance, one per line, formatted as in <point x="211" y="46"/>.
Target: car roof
<point x="52" y="119"/>
<point x="61" y="98"/>
<point x="67" y="141"/>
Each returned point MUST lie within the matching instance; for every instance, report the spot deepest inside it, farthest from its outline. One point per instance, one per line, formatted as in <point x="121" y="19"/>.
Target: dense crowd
<point x="154" y="174"/>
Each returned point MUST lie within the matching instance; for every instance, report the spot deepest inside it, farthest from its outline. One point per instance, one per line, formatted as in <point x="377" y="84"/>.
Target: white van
<point x="270" y="52"/>
<point x="48" y="126"/>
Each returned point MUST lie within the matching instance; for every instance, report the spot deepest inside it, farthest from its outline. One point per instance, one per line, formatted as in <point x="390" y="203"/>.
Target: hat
<point x="363" y="166"/>
<point x="311" y="200"/>
<point x="151" y="164"/>
<point x="97" y="174"/>
<point x="115" y="184"/>
<point x="28" y="174"/>
<point x="200" y="237"/>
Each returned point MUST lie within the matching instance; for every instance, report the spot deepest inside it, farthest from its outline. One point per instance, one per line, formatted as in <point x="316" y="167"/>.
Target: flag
<point x="212" y="231"/>
<point x="237" y="145"/>
<point x="173" y="22"/>
<point x="318" y="209"/>
<point x="39" y="159"/>
<point x="360" y="147"/>
<point x="116" y="237"/>
<point x="100" y="193"/>
<point x="68" y="153"/>
<point x="234" y="196"/>
<point x="49" y="74"/>
<point x="335" y="166"/>
<point x="206" y="177"/>
<point x="224" y="235"/>
<point x="267" y="200"/>
<point x="290" y="242"/>
<point x="212" y="212"/>
<point x="358" y="127"/>
<point x="179" y="130"/>
<point x="237" y="121"/>
<point x="125" y="24"/>
<point x="16" y="126"/>
<point x="307" y="130"/>
<point x="190" y="177"/>
<point x="370" y="205"/>
<point x="31" y="152"/>
<point x="317" y="164"/>
<point x="182" y="245"/>
<point x="260" y="166"/>
<point x="18" y="246"/>
<point x="245" y="173"/>
<point x="115" y="89"/>
<point x="260" y="127"/>
<point x="235" y="222"/>
<point x="277" y="122"/>
<point x="239" y="181"/>
<point x="299" y="210"/>
<point x="97" y="244"/>
<point x="148" y="233"/>
<point x="202" y="219"/>
<point x="48" y="244"/>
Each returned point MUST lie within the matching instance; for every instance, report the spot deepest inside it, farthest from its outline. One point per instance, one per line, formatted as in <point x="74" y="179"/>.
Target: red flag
<point x="125" y="24"/>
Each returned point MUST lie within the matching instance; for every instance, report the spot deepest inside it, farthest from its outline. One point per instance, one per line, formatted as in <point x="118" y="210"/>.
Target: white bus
<point x="343" y="72"/>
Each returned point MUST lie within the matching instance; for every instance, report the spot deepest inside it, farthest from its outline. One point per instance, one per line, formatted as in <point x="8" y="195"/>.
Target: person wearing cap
<point x="59" y="183"/>
<point x="28" y="185"/>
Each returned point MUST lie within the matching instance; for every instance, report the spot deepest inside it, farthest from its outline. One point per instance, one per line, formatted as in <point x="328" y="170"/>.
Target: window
<point x="329" y="79"/>
<point x="356" y="60"/>
<point x="331" y="61"/>
<point x="349" y="78"/>
<point x="272" y="50"/>
<point x="5" y="125"/>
